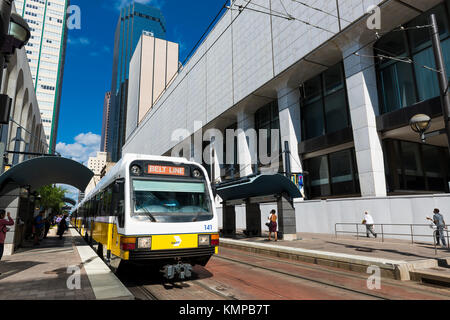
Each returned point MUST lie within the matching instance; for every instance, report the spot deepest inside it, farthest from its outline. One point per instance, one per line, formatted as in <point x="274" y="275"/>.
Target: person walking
<point x="273" y="224"/>
<point x="368" y="221"/>
<point x="439" y="222"/>
<point x="62" y="227"/>
<point x="3" y="229"/>
<point x="38" y="227"/>
<point x="47" y="225"/>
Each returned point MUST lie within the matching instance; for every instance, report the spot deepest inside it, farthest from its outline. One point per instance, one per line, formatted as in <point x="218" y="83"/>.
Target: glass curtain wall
<point x="334" y="174"/>
<point x="403" y="84"/>
<point x="267" y="118"/>
<point x="324" y="103"/>
<point x="412" y="167"/>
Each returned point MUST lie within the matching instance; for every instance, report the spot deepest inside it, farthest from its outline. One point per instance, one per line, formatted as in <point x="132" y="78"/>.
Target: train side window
<point x="107" y="201"/>
<point x="119" y="201"/>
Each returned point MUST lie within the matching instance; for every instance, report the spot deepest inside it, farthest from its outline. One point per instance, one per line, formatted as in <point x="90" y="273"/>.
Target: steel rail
<point x="304" y="278"/>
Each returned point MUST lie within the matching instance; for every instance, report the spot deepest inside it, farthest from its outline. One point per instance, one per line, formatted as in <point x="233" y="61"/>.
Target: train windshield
<point x="164" y="201"/>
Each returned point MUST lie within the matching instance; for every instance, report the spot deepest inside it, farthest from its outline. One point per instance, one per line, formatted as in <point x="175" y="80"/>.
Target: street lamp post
<point x="442" y="74"/>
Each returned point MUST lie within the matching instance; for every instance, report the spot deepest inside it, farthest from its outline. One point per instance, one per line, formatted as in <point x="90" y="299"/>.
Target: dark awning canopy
<point x="70" y="201"/>
<point x="260" y="186"/>
<point x="44" y="171"/>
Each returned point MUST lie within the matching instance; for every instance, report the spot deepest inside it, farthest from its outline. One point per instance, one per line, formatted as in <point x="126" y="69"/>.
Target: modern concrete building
<point x="46" y="52"/>
<point x="339" y="92"/>
<point x="96" y="164"/>
<point x="153" y="67"/>
<point x="106" y="113"/>
<point x="134" y="20"/>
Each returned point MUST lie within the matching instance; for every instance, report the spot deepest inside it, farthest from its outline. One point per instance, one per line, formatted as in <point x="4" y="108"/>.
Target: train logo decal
<point x="177" y="241"/>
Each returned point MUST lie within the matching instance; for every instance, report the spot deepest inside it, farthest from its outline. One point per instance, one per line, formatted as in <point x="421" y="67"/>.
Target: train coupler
<point x="180" y="270"/>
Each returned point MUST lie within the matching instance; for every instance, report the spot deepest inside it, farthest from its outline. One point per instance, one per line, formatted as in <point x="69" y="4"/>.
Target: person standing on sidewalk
<point x="368" y="221"/>
<point x="3" y="229"/>
<point x="438" y="220"/>
<point x="273" y="224"/>
<point x="38" y="227"/>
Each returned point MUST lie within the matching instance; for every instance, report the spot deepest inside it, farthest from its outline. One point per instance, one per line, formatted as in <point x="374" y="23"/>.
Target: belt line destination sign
<point x="166" y="170"/>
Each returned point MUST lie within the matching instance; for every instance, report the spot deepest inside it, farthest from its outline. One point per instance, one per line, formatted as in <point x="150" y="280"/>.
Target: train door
<point x="118" y="213"/>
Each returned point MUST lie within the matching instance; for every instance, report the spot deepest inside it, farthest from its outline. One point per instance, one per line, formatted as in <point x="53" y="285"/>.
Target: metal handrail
<point x="434" y="240"/>
<point x="383" y="234"/>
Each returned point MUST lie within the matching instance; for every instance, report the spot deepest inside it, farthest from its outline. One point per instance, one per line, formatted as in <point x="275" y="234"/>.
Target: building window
<point x="230" y="167"/>
<point x="267" y="118"/>
<point x="324" y="103"/>
<point x="416" y="167"/>
<point x="403" y="84"/>
<point x="334" y="174"/>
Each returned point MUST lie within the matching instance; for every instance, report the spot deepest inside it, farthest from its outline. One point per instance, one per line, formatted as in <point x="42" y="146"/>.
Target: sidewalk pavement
<point x="41" y="272"/>
<point x="397" y="259"/>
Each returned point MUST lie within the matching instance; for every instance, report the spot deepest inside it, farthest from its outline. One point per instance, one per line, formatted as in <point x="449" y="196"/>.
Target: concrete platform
<point x="436" y="275"/>
<point x="104" y="283"/>
<point x="48" y="272"/>
<point x="396" y="259"/>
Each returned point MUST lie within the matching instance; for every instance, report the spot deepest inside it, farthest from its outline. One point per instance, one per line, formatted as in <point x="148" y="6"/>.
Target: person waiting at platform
<point x="4" y="229"/>
<point x="273" y="224"/>
<point x="368" y="221"/>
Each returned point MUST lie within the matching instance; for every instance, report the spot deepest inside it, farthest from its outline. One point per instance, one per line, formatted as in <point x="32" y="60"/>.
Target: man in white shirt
<point x="368" y="221"/>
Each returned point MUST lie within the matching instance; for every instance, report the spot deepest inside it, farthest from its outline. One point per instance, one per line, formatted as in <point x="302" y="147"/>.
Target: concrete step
<point x="435" y="275"/>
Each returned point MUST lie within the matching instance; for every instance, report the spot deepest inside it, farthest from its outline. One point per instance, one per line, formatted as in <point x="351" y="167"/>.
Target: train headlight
<point x="145" y="243"/>
<point x="196" y="173"/>
<point x="203" y="240"/>
<point x="136" y="170"/>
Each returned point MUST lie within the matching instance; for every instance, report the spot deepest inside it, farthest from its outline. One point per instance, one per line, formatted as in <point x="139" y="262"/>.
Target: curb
<point x="394" y="269"/>
<point x="104" y="283"/>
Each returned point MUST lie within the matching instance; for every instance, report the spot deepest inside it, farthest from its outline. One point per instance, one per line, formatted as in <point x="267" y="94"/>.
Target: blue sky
<point x="88" y="65"/>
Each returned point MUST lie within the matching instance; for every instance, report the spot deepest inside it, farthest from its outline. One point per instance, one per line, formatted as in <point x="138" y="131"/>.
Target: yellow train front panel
<point x="182" y="241"/>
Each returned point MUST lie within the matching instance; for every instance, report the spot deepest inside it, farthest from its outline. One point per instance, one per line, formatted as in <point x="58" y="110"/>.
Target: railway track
<point x="329" y="284"/>
<point x="436" y="291"/>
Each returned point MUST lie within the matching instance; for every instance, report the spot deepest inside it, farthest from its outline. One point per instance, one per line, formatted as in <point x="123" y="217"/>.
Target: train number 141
<point x="208" y="227"/>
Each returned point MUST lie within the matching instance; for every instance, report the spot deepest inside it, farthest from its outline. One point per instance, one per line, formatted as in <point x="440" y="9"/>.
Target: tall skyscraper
<point x="106" y="111"/>
<point x="46" y="54"/>
<point x="134" y="20"/>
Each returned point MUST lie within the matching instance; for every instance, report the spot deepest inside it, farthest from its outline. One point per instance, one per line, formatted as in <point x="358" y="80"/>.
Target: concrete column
<point x="253" y="219"/>
<point x="229" y="220"/>
<point x="289" y="108"/>
<point x="363" y="104"/>
<point x="247" y="143"/>
<point x="286" y="220"/>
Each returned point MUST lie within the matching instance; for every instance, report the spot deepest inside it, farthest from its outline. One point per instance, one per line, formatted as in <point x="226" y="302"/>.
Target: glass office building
<point x="134" y="20"/>
<point x="46" y="55"/>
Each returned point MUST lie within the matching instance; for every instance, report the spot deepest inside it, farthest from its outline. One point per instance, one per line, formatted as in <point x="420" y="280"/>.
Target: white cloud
<point x="86" y="145"/>
<point x="82" y="41"/>
<point x="119" y="4"/>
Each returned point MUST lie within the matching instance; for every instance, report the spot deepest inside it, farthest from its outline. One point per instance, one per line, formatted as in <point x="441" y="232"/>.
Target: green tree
<point x="51" y="198"/>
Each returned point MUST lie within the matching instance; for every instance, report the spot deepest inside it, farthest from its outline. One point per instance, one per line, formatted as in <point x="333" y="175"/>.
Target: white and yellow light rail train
<point x="151" y="210"/>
